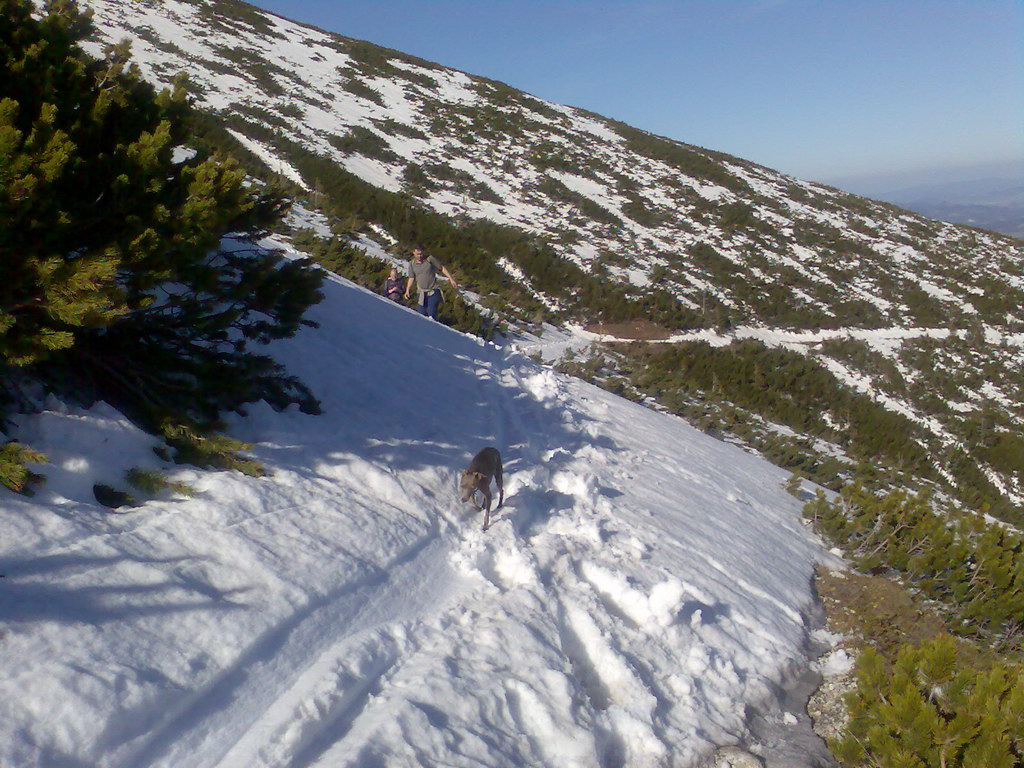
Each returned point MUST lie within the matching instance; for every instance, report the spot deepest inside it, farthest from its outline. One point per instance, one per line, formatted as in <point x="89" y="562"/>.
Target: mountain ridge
<point x="550" y="212"/>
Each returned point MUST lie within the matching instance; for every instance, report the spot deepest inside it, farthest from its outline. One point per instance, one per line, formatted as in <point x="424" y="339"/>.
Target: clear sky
<point x="822" y="89"/>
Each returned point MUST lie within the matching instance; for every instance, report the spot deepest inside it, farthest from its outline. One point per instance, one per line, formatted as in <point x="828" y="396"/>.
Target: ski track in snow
<point x="641" y="587"/>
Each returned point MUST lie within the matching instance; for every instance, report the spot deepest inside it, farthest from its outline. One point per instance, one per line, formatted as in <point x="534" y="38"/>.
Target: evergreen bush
<point x="14" y="472"/>
<point x="785" y="387"/>
<point x="114" y="285"/>
<point x="698" y="163"/>
<point x="267" y="76"/>
<point x="974" y="567"/>
<point x="153" y="483"/>
<point x="357" y="87"/>
<point x="363" y="141"/>
<point x="931" y="709"/>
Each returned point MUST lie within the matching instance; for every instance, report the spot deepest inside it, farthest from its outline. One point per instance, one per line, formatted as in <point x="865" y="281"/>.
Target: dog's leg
<point x="501" y="488"/>
<point x="487" y="506"/>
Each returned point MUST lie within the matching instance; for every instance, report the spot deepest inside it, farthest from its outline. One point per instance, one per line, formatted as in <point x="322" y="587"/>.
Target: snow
<point x="552" y="344"/>
<point x="885" y="340"/>
<point x="642" y="590"/>
<point x="835" y="663"/>
<point x="271" y="160"/>
<point x="946" y="295"/>
<point x="374" y="171"/>
<point x="585" y="122"/>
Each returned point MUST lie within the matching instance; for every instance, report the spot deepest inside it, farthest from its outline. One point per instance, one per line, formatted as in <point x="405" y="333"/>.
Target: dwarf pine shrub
<point x="361" y="140"/>
<point x="192" y="445"/>
<point x="153" y="483"/>
<point x="14" y="472"/>
<point x="931" y="709"/>
<point x="974" y="567"/>
<point x="115" y="287"/>
<point x="357" y="87"/>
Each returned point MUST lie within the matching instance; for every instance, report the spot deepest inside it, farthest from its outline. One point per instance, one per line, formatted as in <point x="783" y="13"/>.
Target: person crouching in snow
<point x="423" y="271"/>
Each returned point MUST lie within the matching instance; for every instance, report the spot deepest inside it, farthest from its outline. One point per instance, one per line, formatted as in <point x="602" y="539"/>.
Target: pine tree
<point x="13" y="472"/>
<point x="929" y="708"/>
<point x="109" y="240"/>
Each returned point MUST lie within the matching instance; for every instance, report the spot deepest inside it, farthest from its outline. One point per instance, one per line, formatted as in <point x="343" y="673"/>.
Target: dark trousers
<point x="431" y="304"/>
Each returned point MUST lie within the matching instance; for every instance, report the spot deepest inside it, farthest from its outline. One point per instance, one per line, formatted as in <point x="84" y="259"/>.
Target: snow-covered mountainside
<point x="644" y="590"/>
<point x="608" y="194"/>
<point x="917" y="318"/>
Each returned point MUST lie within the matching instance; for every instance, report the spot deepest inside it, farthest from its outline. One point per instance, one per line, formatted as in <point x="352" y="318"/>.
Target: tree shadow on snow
<point x="49" y="589"/>
<point x="439" y="426"/>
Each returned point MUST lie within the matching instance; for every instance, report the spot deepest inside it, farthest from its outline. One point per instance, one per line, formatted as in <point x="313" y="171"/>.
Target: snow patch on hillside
<point x="271" y="160"/>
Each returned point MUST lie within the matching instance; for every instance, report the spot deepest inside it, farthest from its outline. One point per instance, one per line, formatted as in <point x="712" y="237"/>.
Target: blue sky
<point x="823" y="89"/>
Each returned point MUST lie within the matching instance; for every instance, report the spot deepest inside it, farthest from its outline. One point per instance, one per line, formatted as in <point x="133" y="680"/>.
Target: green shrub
<point x="740" y="217"/>
<point x="556" y="190"/>
<point x="376" y="61"/>
<point x="266" y="74"/>
<point x="291" y="109"/>
<point x="395" y="128"/>
<point x="930" y="709"/>
<point x="153" y="483"/>
<point x="227" y="15"/>
<point x="416" y="179"/>
<point x="698" y="163"/>
<point x="357" y="87"/>
<point x="973" y="567"/>
<point x="643" y="213"/>
<point x="362" y="141"/>
<point x="785" y="387"/>
<point x="113" y="286"/>
<point x="262" y="116"/>
<point x="193" y="445"/>
<point x="14" y="472"/>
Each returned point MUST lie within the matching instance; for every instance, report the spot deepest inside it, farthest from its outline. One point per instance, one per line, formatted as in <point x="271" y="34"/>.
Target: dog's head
<point x="469" y="484"/>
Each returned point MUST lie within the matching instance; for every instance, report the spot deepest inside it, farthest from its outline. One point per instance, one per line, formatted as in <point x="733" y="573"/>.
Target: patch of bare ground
<point x="870" y="610"/>
<point x="876" y="611"/>
<point x="866" y="611"/>
<point x="634" y="330"/>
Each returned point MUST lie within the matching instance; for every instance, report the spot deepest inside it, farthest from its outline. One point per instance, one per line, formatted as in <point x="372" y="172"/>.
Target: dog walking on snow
<point x="482" y="468"/>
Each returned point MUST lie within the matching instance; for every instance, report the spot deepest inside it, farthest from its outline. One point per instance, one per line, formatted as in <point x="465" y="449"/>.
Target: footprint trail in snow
<point x="641" y="588"/>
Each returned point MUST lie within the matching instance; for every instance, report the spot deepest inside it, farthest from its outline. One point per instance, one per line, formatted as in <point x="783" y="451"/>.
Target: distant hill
<point x="994" y="202"/>
<point x="832" y="332"/>
<point x="1007" y="219"/>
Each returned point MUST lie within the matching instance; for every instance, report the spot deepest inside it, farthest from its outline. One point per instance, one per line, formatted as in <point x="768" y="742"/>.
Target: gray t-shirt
<point x="425" y="273"/>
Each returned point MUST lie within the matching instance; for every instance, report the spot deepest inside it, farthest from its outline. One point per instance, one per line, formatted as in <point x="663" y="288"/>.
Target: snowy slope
<point x="605" y="195"/>
<point x="749" y="248"/>
<point x="642" y="587"/>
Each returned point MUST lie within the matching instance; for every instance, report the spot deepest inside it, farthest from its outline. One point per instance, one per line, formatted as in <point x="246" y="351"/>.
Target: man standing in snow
<point x="423" y="271"/>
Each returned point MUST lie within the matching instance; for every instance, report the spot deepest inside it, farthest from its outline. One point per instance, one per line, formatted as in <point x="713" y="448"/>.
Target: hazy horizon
<point x="896" y="181"/>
